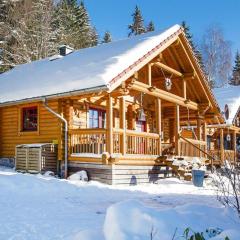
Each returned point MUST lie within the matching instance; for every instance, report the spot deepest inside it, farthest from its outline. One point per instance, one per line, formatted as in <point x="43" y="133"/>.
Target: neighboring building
<point x="127" y="105"/>
<point x="224" y="139"/>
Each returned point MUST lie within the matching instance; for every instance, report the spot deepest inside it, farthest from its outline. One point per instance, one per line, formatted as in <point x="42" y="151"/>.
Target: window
<point x="30" y="119"/>
<point x="141" y="126"/>
<point x="97" y="118"/>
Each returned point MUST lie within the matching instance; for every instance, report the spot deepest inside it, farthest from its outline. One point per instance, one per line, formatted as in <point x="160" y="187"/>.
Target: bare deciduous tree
<point x="217" y="56"/>
<point x="227" y="182"/>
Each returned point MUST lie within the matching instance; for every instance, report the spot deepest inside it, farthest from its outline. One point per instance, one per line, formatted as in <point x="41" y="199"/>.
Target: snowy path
<point x="36" y="207"/>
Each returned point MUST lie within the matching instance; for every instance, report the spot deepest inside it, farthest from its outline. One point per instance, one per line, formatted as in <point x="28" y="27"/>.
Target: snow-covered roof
<point x="229" y="95"/>
<point x="83" y="69"/>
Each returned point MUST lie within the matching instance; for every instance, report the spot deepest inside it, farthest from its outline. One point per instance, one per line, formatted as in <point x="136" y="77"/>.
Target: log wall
<point x="121" y="174"/>
<point x="10" y="131"/>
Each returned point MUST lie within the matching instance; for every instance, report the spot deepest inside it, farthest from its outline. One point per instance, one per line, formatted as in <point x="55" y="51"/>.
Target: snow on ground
<point x="40" y="207"/>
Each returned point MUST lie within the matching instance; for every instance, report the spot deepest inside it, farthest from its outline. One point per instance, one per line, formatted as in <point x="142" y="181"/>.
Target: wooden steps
<point x="182" y="166"/>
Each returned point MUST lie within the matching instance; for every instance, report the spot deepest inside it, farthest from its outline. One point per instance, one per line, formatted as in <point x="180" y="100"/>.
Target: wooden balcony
<point x="94" y="141"/>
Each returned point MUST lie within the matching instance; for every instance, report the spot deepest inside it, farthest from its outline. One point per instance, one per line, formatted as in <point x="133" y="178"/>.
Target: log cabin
<point x="121" y="111"/>
<point x="224" y="139"/>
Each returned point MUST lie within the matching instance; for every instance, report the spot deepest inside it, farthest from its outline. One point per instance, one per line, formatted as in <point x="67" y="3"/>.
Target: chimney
<point x="65" y="50"/>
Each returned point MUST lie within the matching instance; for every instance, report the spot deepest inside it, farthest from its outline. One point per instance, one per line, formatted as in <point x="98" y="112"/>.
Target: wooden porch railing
<point x="87" y="141"/>
<point x="191" y="147"/>
<point x="227" y="155"/>
<point x="142" y="143"/>
<point x="94" y="141"/>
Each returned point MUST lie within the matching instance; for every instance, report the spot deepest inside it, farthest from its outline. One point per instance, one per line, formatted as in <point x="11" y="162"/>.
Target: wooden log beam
<point x="150" y="74"/>
<point x="159" y="122"/>
<point x="109" y="124"/>
<point x="168" y="69"/>
<point x="235" y="146"/>
<point x="123" y="125"/>
<point x="221" y="146"/>
<point x="199" y="131"/>
<point x="205" y="133"/>
<point x="142" y="87"/>
<point x="184" y="88"/>
<point x="176" y="130"/>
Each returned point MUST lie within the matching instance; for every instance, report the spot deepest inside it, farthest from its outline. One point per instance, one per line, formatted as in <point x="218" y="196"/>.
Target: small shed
<point x="40" y="157"/>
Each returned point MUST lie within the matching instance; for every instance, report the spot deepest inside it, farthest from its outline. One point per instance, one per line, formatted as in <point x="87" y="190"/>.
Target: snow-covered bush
<point x="49" y="174"/>
<point x="79" y="176"/>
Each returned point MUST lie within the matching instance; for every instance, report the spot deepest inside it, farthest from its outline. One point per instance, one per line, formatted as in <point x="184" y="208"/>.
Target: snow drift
<point x="132" y="220"/>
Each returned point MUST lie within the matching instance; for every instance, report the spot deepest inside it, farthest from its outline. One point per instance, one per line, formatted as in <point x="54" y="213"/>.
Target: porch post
<point x="184" y="88"/>
<point x="149" y="74"/>
<point x="123" y="125"/>
<point x="221" y="146"/>
<point x="205" y="134"/>
<point x="177" y="128"/>
<point x="199" y="132"/>
<point x="235" y="146"/>
<point x="159" y="123"/>
<point x="109" y="138"/>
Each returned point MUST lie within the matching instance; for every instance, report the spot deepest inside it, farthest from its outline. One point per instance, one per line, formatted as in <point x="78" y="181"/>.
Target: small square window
<point x="30" y="119"/>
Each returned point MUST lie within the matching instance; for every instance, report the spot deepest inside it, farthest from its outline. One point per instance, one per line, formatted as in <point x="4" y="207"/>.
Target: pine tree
<point x="235" y="79"/>
<point x="29" y="32"/>
<point x="94" y="37"/>
<point x="73" y="24"/>
<point x="189" y="36"/>
<point x="107" y="37"/>
<point x="137" y="27"/>
<point x="150" y="27"/>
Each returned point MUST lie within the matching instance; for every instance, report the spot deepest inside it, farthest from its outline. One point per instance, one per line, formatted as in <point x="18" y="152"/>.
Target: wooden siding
<point x="36" y="158"/>
<point x="121" y="174"/>
<point x="10" y="131"/>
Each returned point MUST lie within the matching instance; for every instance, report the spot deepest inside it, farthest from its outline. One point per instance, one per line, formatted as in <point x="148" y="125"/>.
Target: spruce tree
<point x="107" y="37"/>
<point x="137" y="27"/>
<point x="73" y="24"/>
<point x="93" y="37"/>
<point x="235" y="79"/>
<point x="150" y="27"/>
<point x="189" y="36"/>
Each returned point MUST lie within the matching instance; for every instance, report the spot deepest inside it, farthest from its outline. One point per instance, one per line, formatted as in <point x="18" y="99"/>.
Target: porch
<point x="222" y="143"/>
<point x="90" y="145"/>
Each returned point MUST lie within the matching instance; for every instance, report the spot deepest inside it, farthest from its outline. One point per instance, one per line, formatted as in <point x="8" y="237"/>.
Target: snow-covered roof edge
<point x="55" y="96"/>
<point x="168" y="34"/>
<point x="126" y="73"/>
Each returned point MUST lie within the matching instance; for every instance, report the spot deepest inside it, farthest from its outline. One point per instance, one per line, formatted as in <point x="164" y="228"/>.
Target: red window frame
<point x="30" y="119"/>
<point x="97" y="121"/>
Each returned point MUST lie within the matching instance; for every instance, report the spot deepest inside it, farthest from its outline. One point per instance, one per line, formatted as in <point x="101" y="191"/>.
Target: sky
<point x="115" y="16"/>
